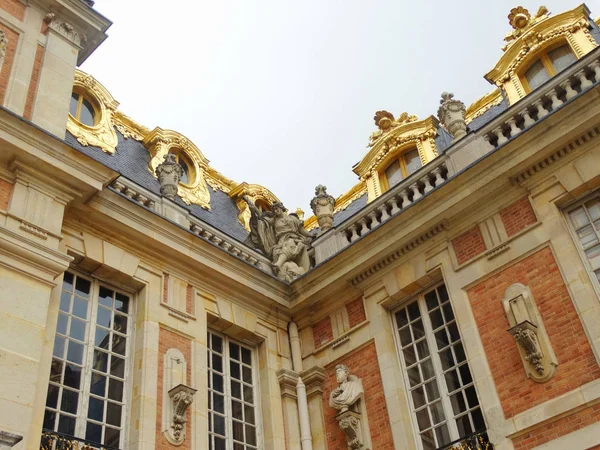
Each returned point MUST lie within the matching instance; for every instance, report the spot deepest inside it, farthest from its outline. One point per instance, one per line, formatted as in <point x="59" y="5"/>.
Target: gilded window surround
<point x="102" y="134"/>
<point x="255" y="193"/>
<point x="419" y="133"/>
<point x="159" y="142"/>
<point x="540" y="32"/>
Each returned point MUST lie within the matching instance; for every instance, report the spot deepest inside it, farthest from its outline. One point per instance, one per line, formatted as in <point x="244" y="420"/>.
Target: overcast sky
<point x="282" y="93"/>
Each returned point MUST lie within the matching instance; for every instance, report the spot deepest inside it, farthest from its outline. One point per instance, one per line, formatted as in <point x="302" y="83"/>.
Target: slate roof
<point x="131" y="160"/>
<point x="489" y="115"/>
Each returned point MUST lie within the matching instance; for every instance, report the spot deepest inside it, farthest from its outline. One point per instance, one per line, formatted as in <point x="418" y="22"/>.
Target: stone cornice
<point x="287" y="382"/>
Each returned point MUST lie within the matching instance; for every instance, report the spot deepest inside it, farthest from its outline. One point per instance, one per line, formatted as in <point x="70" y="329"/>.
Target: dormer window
<point x="548" y="65"/>
<point x="401" y="167"/>
<point x="82" y="110"/>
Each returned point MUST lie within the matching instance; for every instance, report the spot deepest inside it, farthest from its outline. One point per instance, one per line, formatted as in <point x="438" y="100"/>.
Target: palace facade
<point x="449" y="300"/>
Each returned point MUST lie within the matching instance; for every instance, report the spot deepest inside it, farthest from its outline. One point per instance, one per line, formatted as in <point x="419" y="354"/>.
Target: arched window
<point x="548" y="65"/>
<point x="401" y="167"/>
<point x="83" y="110"/>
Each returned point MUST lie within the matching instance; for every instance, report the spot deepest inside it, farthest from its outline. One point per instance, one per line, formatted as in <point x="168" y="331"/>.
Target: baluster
<point x="596" y="66"/>
<point x="405" y="200"/>
<point x="384" y="214"/>
<point x="556" y="102"/>
<point x="354" y="230"/>
<point x="501" y="138"/>
<point x="569" y="91"/>
<point x="394" y="202"/>
<point x="438" y="176"/>
<point x="130" y="193"/>
<point x="374" y="221"/>
<point x="151" y="204"/>
<point x="236" y="251"/>
<point x="217" y="240"/>
<point x="514" y="130"/>
<point x="416" y="194"/>
<point x="527" y="120"/>
<point x="585" y="83"/>
<point x="364" y="226"/>
<point x="427" y="183"/>
<point x="226" y="246"/>
<point x="542" y="112"/>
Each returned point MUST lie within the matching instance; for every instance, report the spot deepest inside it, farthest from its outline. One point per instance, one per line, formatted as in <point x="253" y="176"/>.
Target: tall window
<point x="585" y="220"/>
<point x="549" y="65"/>
<point x="233" y="421"/>
<point x="442" y="394"/>
<point x="407" y="163"/>
<point x="86" y="391"/>
<point x="82" y="110"/>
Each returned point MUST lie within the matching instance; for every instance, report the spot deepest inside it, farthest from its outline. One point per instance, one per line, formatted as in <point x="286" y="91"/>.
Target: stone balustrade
<point x="135" y="193"/>
<point x="546" y="99"/>
<point x="230" y="245"/>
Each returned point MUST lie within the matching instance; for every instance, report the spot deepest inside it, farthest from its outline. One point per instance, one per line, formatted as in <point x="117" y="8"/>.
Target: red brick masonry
<point x="322" y="332"/>
<point x="362" y="363"/>
<point x="576" y="362"/>
<point x="468" y="245"/>
<point x="517" y="216"/>
<point x="356" y="312"/>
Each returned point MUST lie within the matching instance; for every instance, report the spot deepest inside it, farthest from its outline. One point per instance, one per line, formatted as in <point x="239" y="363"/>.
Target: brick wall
<point x="35" y="76"/>
<point x="517" y="216"/>
<point x="322" y="332"/>
<point x="576" y="362"/>
<point x="166" y="340"/>
<point x="13" y="40"/>
<point x="468" y="245"/>
<point x="553" y="430"/>
<point x="189" y="298"/>
<point x="356" y="312"/>
<point x="14" y="8"/>
<point x="362" y="363"/>
<point x="5" y="191"/>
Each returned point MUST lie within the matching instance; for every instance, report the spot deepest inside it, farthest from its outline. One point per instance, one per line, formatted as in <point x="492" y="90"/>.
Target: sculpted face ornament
<point x="349" y="390"/>
<point x="282" y="238"/>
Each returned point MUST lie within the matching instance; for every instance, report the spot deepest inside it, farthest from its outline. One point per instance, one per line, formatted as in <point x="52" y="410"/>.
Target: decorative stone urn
<point x="322" y="205"/>
<point x="452" y="115"/>
<point x="169" y="174"/>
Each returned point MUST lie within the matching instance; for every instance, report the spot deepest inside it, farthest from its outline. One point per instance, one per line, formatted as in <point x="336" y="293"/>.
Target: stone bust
<point x="349" y="389"/>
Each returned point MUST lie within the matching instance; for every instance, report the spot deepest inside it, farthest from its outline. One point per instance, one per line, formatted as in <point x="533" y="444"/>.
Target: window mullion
<point x="439" y="371"/>
<point x="227" y="396"/>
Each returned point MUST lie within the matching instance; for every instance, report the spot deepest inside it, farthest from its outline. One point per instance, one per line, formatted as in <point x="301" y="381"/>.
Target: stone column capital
<point x="288" y="379"/>
<point x="313" y="379"/>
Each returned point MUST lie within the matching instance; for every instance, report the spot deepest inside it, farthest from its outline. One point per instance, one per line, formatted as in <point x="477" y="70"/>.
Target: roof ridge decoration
<point x="102" y="134"/>
<point x="159" y="142"/>
<point x="532" y="34"/>
<point x="341" y="203"/>
<point x="385" y="122"/>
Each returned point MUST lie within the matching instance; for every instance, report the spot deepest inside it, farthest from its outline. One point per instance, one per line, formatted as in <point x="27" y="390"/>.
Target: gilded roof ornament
<point x="520" y="19"/>
<point x="385" y="122"/>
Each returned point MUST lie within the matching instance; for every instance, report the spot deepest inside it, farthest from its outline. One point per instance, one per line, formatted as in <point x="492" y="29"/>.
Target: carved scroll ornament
<point x="182" y="397"/>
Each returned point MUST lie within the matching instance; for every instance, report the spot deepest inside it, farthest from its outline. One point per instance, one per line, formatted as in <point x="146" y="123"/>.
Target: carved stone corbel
<point x="350" y="424"/>
<point x="528" y="330"/>
<point x="181" y="397"/>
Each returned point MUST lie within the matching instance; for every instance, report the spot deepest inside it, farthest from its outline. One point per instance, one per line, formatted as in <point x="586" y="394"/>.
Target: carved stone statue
<point x="452" y="115"/>
<point x="348" y="392"/>
<point x="169" y="174"/>
<point x="282" y="238"/>
<point x="322" y="205"/>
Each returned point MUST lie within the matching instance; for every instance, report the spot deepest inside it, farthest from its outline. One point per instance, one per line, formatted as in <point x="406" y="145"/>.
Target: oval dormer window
<point x="83" y="110"/>
<point x="187" y="177"/>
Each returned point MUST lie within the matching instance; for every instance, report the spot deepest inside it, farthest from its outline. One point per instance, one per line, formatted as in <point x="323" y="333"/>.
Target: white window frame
<point x="419" y="298"/>
<point x="229" y="443"/>
<point x="567" y="210"/>
<point x="88" y="358"/>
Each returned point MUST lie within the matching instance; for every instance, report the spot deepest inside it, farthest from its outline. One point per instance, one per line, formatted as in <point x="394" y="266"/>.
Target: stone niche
<point x="177" y="396"/>
<point x="527" y="328"/>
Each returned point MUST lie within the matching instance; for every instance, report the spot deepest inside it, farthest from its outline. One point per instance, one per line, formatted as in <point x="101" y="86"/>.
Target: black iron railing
<point x="53" y="440"/>
<point x="475" y="441"/>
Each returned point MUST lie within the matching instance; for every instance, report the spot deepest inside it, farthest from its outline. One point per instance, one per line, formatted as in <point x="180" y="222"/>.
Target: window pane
<point x="185" y="176"/>
<point x="562" y="57"/>
<point x="393" y="174"/>
<point x="73" y="104"/>
<point x="536" y="75"/>
<point x="87" y="114"/>
<point x="412" y="161"/>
